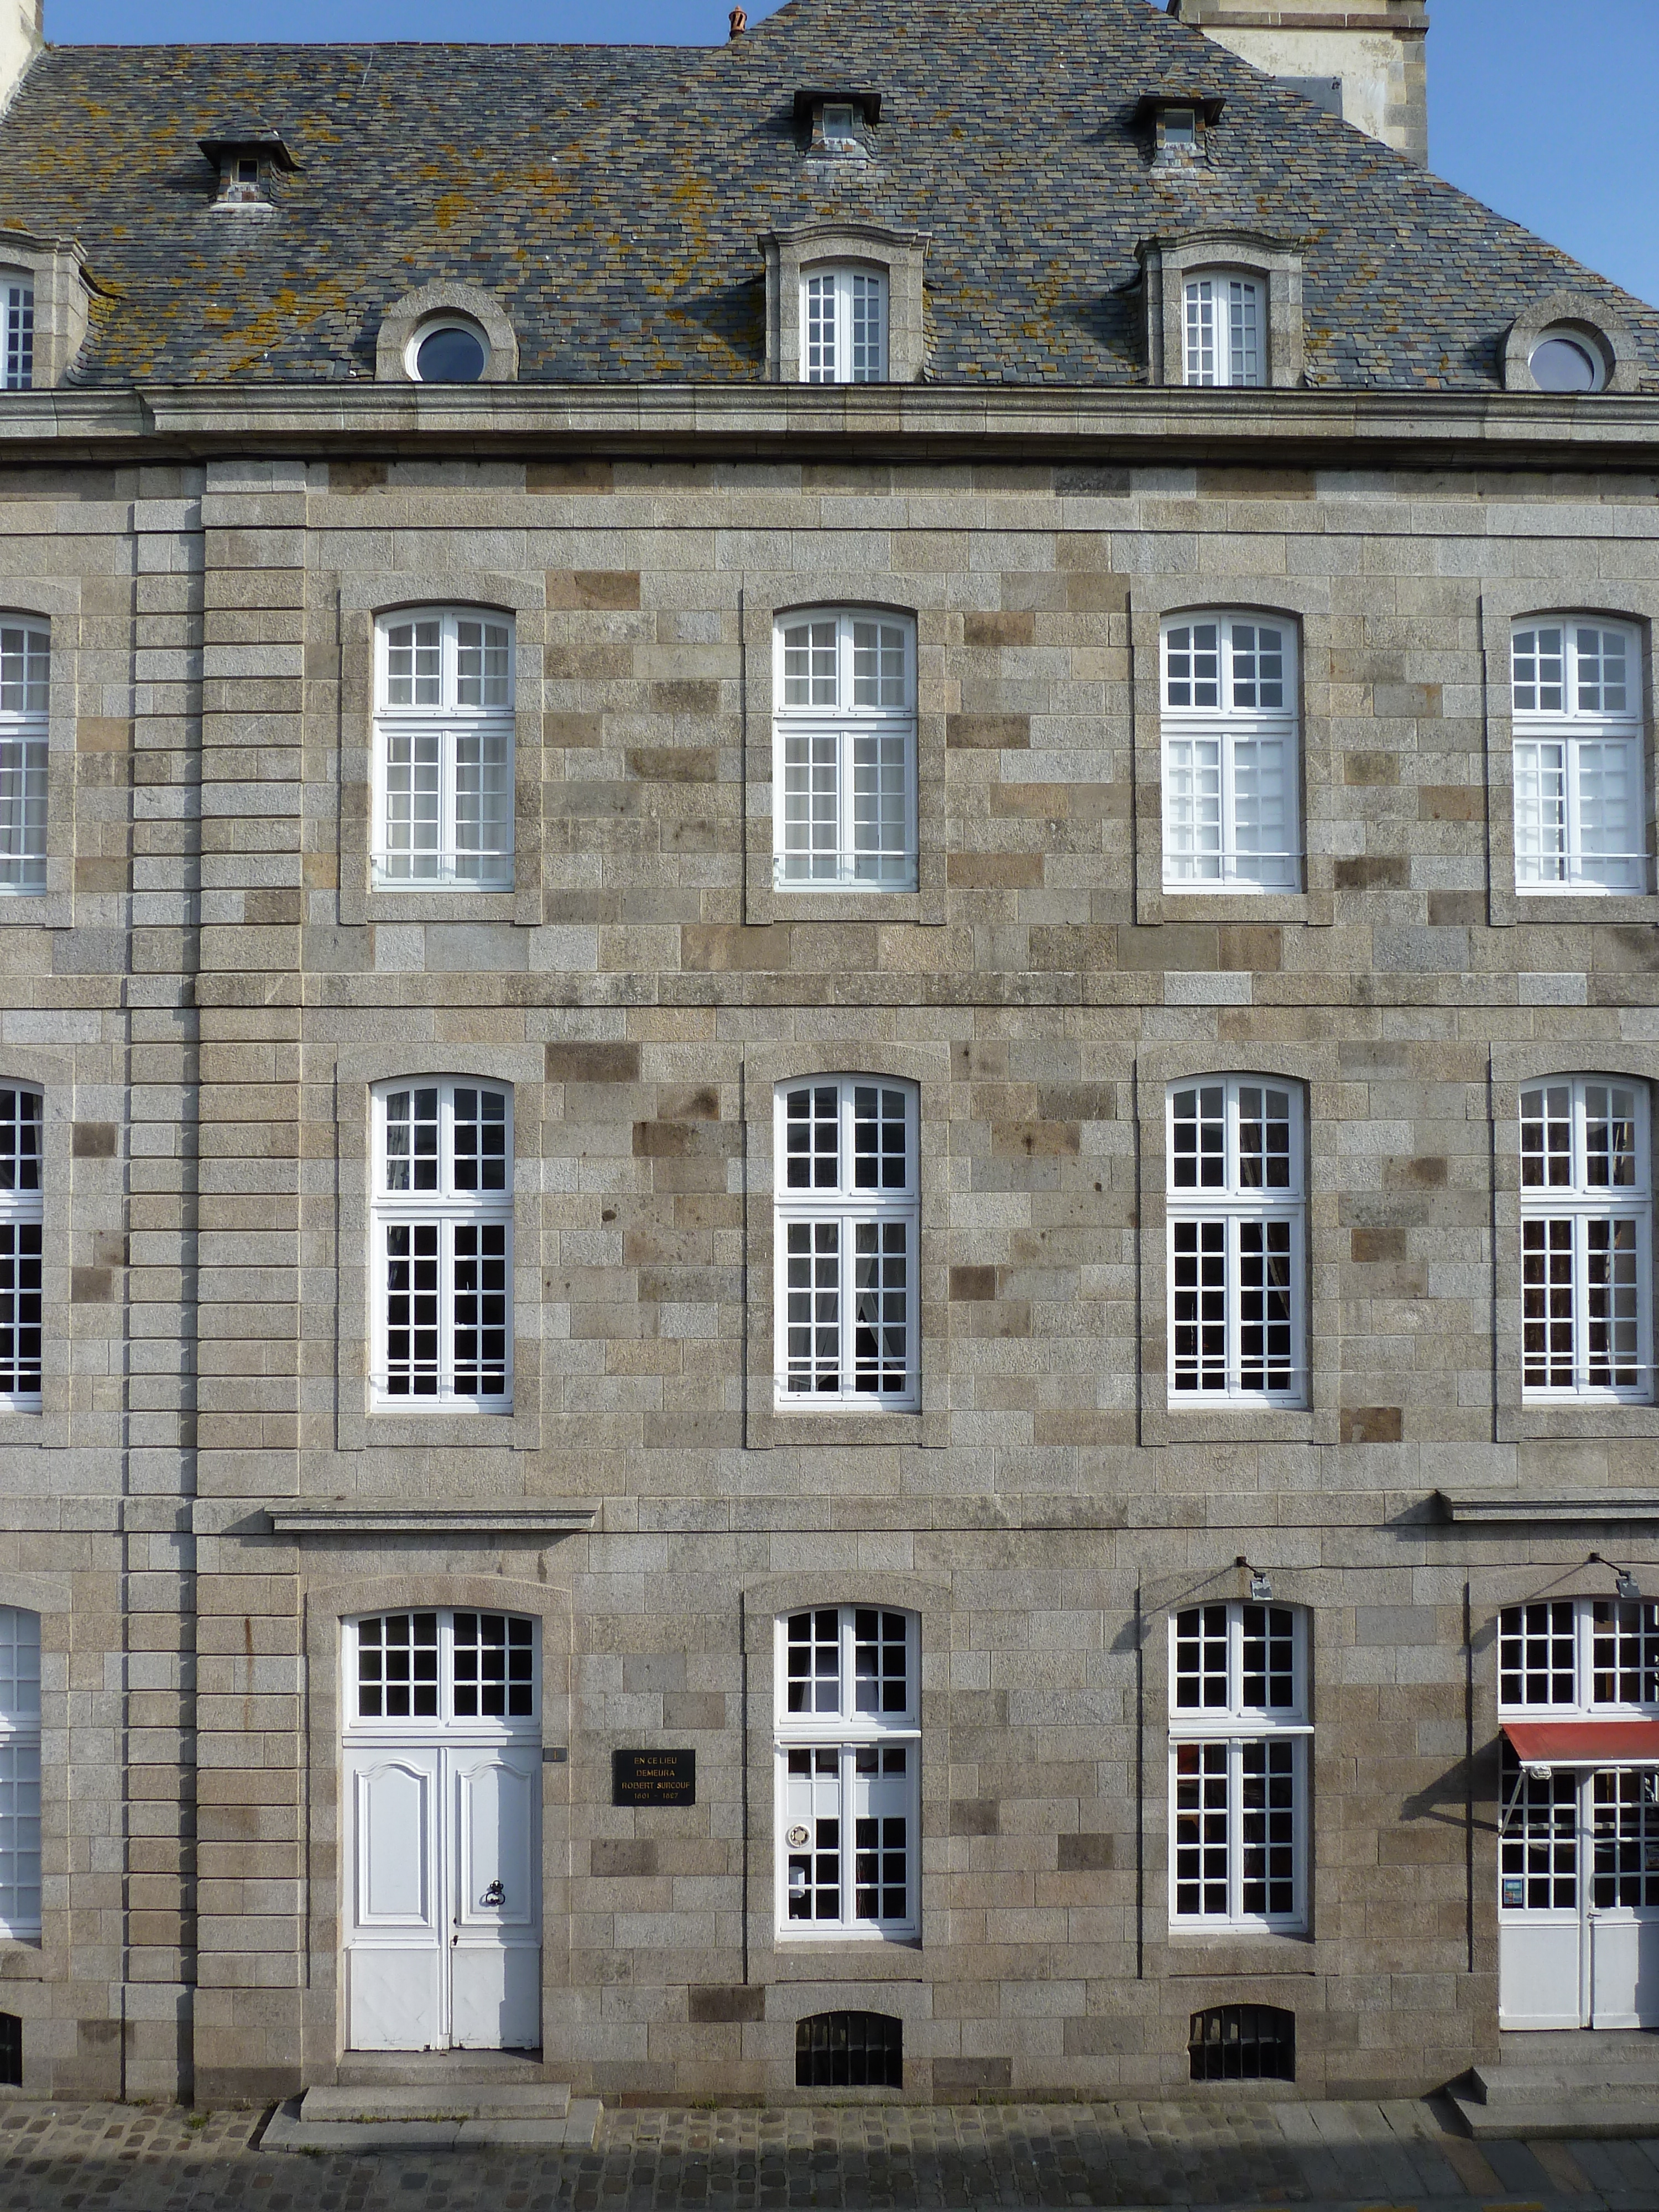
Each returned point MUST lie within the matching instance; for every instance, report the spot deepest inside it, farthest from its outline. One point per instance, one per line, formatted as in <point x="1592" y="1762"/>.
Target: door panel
<point x="395" y="1978"/>
<point x="495" y="1957"/>
<point x="1538" y="1971"/>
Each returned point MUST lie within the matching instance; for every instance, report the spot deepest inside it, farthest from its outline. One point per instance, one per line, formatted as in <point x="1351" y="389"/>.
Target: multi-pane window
<point x="1225" y="330"/>
<point x="443" y="1245"/>
<point x="17" y="305"/>
<point x="440" y="1665"/>
<point x="1580" y="809"/>
<point x="848" y="1225"/>
<point x="1585" y="1239"/>
<point x="20" y="1228"/>
<point x="844" y="751"/>
<point x="1237" y="1241"/>
<point x="19" y="1772"/>
<point x="849" y="1771"/>
<point x="1238" y="1765"/>
<point x="843" y="326"/>
<point x="25" y="674"/>
<point x="1231" y="761"/>
<point x="443" y="758"/>
<point x="1557" y="1659"/>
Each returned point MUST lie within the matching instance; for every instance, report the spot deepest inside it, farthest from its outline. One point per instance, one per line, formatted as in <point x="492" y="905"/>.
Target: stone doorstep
<point x="289" y="2131"/>
<point x="1568" y="2115"/>
<point x="453" y="2099"/>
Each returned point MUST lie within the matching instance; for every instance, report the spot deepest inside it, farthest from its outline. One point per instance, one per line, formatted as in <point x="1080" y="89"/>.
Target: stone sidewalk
<point x="1358" y="2157"/>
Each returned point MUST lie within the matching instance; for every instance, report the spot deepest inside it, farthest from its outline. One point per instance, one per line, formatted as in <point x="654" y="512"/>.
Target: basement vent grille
<point x="849" y="2050"/>
<point x="11" y="2050"/>
<point x="1242" y="2042"/>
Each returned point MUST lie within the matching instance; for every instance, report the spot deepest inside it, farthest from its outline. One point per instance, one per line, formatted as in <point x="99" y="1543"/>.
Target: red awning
<point x="1584" y="1743"/>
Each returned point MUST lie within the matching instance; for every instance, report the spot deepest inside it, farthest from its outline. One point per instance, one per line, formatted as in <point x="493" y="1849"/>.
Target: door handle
<point x="494" y="1895"/>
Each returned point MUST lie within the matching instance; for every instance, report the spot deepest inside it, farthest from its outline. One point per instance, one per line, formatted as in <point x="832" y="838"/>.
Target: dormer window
<point x="836" y="120"/>
<point x="1178" y="122"/>
<point x="245" y="164"/>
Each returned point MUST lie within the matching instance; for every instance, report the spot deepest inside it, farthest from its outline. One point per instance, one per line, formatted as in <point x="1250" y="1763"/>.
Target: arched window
<point x="443" y="751"/>
<point x="1239" y="1737"/>
<point x="1238" y="1233"/>
<point x="849" y="1768"/>
<point x="1226" y="329"/>
<point x="844" y="750"/>
<point x="25" y="680"/>
<point x="1580" y="809"/>
<point x="847" y="1220"/>
<point x="843" y="325"/>
<point x="443" y="1245"/>
<point x="21" y="1225"/>
<point x="1586" y="1239"/>
<point x="19" y="1772"/>
<point x="1231" y="754"/>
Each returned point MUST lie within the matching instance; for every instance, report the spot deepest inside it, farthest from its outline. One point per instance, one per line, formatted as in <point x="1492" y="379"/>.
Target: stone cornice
<point x="911" y="421"/>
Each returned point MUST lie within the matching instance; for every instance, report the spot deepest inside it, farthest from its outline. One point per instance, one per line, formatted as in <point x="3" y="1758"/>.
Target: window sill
<point x="438" y="1431"/>
<point x="462" y="903"/>
<point x="1554" y="909"/>
<point x="850" y="1959"/>
<point x="1163" y="1424"/>
<point x="1184" y="903"/>
<point x="1228" y="1952"/>
<point x="835" y="903"/>
<point x="769" y="1429"/>
<point x="1575" y="1420"/>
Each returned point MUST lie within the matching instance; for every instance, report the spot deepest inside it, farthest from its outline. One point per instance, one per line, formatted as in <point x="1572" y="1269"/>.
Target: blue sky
<point x="1536" y="107"/>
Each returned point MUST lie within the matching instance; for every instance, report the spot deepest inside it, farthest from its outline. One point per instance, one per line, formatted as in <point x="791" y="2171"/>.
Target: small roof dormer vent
<point x="247" y="159"/>
<point x="839" y="121"/>
<point x="1178" y="124"/>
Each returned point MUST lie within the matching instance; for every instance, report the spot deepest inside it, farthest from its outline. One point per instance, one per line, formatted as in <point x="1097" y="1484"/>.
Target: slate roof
<point x="610" y="198"/>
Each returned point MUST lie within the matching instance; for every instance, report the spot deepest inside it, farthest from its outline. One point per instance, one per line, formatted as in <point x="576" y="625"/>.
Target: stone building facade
<point x="1161" y="1495"/>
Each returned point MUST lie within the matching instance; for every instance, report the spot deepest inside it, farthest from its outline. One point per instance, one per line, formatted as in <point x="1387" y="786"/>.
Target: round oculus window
<point x="453" y="353"/>
<point x="1562" y="361"/>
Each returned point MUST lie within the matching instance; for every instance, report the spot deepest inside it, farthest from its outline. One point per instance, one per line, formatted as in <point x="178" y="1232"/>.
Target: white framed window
<point x="1238" y="1233"/>
<point x="1580" y="809"/>
<point x="1586" y="1240"/>
<point x="848" y="1225"/>
<point x="443" y="751"/>
<point x="22" y="1223"/>
<point x="1226" y="329"/>
<point x="441" y="1664"/>
<point x="20" y="1773"/>
<point x="843" y="325"/>
<point x="848" y="1750"/>
<point x="1232" y="766"/>
<point x="844" y="750"/>
<point x="17" y="304"/>
<point x="25" y="682"/>
<point x="1239" y="1738"/>
<point x="443" y="1245"/>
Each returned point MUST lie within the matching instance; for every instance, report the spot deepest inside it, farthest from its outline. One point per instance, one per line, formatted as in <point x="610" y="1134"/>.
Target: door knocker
<point x="494" y="1895"/>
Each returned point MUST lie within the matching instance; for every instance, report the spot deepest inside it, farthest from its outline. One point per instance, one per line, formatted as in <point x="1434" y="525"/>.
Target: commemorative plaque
<point x="654" y="1778"/>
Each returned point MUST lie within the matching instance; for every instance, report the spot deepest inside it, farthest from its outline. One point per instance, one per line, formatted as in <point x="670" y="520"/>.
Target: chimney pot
<point x="739" y="20"/>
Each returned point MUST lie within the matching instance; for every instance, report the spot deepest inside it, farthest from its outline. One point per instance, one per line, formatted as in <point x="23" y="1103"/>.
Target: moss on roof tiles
<point x="610" y="198"/>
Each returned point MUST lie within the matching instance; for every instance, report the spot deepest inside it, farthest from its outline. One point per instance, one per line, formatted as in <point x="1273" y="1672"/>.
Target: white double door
<point x="1581" y="1849"/>
<point x="443" y="1925"/>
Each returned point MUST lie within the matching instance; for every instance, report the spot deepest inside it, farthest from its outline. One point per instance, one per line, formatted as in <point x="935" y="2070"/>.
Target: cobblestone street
<point x="1382" y="2157"/>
